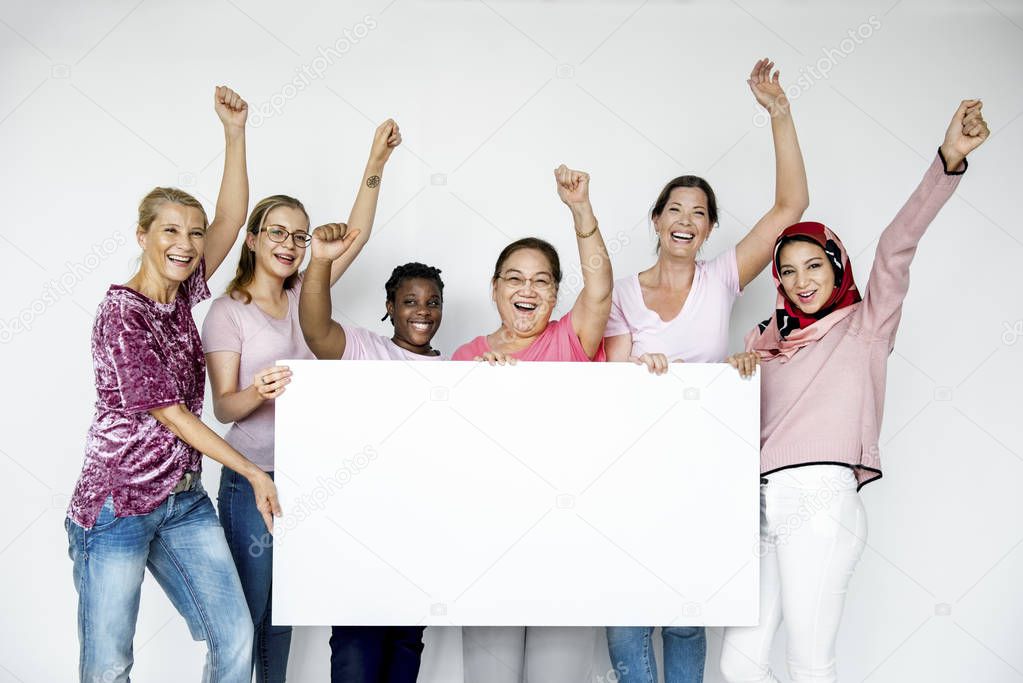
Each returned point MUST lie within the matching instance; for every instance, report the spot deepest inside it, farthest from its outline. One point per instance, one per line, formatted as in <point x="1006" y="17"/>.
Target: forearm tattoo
<point x="372" y="181"/>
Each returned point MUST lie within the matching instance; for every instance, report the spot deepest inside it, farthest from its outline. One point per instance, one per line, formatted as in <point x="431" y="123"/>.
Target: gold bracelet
<point x="582" y="236"/>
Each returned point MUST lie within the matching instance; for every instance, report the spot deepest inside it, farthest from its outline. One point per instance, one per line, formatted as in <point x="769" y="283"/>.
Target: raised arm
<point x="190" y="429"/>
<point x="791" y="196"/>
<point x="593" y="305"/>
<point x="233" y="200"/>
<point x="889" y="277"/>
<point x="360" y="220"/>
<point x="324" y="336"/>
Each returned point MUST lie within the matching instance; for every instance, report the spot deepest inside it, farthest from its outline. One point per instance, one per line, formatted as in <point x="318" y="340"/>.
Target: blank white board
<point x="448" y="493"/>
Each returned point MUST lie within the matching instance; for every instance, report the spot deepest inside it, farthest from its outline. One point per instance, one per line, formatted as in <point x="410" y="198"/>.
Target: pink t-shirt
<point x="699" y="333"/>
<point x="261" y="340"/>
<point x="558" y="342"/>
<point x="362" y="344"/>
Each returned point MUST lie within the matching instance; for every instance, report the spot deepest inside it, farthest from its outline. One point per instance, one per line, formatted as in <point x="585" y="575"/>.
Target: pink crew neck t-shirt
<point x="363" y="344"/>
<point x="558" y="342"/>
<point x="699" y="333"/>
<point x="262" y="341"/>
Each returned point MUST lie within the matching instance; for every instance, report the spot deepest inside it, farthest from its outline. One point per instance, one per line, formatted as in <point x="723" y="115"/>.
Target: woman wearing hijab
<point x="824" y="357"/>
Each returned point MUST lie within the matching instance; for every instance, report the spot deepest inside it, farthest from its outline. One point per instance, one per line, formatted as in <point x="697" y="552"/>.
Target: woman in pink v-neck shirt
<point x="678" y="310"/>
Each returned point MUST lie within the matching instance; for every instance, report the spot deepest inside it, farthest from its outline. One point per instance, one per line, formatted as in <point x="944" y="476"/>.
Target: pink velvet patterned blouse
<point x="146" y="355"/>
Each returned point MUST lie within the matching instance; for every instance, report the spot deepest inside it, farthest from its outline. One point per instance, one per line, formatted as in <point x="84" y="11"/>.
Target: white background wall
<point x="98" y="104"/>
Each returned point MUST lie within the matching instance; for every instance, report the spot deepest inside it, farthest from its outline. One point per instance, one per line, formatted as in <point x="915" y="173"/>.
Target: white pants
<point x="548" y="654"/>
<point x="813" y="529"/>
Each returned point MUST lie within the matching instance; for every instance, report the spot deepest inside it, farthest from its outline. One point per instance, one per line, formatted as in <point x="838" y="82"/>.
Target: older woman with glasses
<point x="525" y="288"/>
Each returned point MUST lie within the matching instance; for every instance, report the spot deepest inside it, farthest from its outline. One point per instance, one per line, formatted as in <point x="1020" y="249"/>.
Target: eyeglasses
<point x="541" y="283"/>
<point x="300" y="238"/>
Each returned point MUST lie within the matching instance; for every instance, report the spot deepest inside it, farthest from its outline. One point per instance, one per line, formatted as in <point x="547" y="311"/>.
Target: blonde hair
<point x="237" y="288"/>
<point x="158" y="196"/>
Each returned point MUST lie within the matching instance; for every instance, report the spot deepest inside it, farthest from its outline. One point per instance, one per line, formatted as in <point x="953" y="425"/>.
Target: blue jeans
<point x="685" y="650"/>
<point x="375" y="654"/>
<point x="252" y="548"/>
<point x="183" y="545"/>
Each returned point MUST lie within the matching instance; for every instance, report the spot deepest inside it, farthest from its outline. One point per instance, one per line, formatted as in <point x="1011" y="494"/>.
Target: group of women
<point x="140" y="501"/>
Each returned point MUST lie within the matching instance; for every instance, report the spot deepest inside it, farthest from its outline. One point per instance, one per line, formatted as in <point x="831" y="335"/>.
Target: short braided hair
<point x="411" y="271"/>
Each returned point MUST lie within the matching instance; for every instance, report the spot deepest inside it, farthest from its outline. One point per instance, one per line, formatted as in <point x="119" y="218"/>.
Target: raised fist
<point x="967" y="131"/>
<point x="385" y="139"/>
<point x="332" y="240"/>
<point x="573" y="186"/>
<point x="230" y="107"/>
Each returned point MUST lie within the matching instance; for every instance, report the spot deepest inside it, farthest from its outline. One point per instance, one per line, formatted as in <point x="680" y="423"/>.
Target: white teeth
<point x="420" y="326"/>
<point x="179" y="259"/>
<point x="285" y="257"/>
<point x="522" y="306"/>
<point x="678" y="235"/>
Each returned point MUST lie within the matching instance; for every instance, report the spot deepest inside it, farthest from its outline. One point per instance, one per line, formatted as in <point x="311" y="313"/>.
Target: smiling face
<point x="416" y="313"/>
<point x="807" y="277"/>
<point x="173" y="243"/>
<point x="525" y="293"/>
<point x="279" y="259"/>
<point x="684" y="223"/>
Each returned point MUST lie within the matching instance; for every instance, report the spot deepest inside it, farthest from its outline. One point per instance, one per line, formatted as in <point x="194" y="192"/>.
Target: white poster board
<point x="446" y="493"/>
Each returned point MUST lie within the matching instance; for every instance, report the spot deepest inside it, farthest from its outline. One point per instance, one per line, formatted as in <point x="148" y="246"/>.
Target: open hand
<point x="266" y="499"/>
<point x="767" y="88"/>
<point x="746" y="363"/>
<point x="270" y="382"/>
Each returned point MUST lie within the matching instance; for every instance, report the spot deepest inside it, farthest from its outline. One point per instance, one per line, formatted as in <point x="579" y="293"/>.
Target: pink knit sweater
<point x="825" y="404"/>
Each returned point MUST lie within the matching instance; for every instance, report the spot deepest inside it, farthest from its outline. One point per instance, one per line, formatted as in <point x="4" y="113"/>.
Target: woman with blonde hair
<point x="139" y="501"/>
<point x="247" y="330"/>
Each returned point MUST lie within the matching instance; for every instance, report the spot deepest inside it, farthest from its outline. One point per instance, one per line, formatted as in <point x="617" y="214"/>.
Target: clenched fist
<point x="332" y="240"/>
<point x="230" y="107"/>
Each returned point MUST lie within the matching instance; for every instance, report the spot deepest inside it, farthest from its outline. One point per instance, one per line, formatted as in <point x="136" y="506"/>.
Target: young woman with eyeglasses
<point x="525" y="288"/>
<point x="246" y="331"/>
